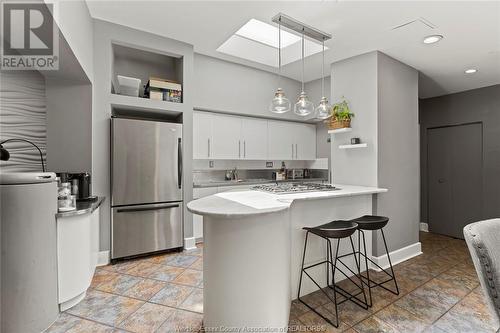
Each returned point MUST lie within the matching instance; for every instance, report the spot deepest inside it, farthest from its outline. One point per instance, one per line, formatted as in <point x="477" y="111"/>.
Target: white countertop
<point x="240" y="203"/>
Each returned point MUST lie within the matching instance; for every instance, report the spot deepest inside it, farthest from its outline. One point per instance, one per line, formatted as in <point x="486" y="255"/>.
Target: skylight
<point x="265" y="33"/>
<point x="257" y="41"/>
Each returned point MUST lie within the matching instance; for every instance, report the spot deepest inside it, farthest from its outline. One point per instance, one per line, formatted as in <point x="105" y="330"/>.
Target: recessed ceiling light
<point x="470" y="71"/>
<point x="432" y="39"/>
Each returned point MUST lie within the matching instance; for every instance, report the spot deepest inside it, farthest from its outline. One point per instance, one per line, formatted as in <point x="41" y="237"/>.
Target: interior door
<point x="254" y="136"/>
<point x="454" y="163"/>
<point x="226" y="141"/>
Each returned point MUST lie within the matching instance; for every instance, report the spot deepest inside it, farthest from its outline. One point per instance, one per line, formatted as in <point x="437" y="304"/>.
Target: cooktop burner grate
<point x="287" y="188"/>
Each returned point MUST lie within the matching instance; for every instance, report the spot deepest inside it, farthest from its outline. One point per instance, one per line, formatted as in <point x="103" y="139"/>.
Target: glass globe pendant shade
<point x="279" y="104"/>
<point x="304" y="106"/>
<point x="323" y="110"/>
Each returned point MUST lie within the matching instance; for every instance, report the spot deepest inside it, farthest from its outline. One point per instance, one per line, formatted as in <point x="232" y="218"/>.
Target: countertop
<point x="217" y="183"/>
<point x="242" y="203"/>
<point x="82" y="207"/>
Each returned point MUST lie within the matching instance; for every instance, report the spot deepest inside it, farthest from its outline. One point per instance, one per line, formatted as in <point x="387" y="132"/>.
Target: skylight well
<point x="257" y="41"/>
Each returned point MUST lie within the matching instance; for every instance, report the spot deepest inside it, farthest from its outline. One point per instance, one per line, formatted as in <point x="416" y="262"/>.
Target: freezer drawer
<point x="146" y="228"/>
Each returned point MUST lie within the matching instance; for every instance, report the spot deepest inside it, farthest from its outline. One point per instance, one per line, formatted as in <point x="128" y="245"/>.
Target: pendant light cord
<point x="279" y="53"/>
<point x="302" y="59"/>
<point x="323" y="71"/>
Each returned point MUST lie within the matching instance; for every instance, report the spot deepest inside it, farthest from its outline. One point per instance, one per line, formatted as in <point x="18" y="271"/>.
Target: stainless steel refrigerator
<point x="146" y="195"/>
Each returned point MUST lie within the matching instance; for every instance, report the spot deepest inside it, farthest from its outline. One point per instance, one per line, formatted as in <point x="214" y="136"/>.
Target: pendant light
<point x="304" y="106"/>
<point x="323" y="111"/>
<point x="279" y="104"/>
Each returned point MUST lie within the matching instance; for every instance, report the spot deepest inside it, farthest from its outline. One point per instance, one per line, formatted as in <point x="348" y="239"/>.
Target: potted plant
<point x="341" y="115"/>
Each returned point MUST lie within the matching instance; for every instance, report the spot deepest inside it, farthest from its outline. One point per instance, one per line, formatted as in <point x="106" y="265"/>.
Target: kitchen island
<point x="253" y="243"/>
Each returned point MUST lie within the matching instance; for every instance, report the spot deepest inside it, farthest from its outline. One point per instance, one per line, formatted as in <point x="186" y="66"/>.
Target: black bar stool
<point x="334" y="230"/>
<point x="374" y="223"/>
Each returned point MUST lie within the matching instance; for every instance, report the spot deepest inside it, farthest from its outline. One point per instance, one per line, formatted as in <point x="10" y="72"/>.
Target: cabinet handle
<point x="292" y="151"/>
<point x="296" y="151"/>
<point x="239" y="148"/>
<point x="244" y="148"/>
<point x="208" y="147"/>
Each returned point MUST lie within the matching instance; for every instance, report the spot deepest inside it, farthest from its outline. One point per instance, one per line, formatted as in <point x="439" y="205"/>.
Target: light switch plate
<point x="210" y="164"/>
<point x="269" y="164"/>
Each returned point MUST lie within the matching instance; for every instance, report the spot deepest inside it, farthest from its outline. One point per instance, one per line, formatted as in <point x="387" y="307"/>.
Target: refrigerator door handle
<point x="179" y="163"/>
<point x="141" y="209"/>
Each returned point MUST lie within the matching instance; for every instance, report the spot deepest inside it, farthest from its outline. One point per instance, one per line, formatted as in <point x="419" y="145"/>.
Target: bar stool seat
<point x="371" y="222"/>
<point x="334" y="229"/>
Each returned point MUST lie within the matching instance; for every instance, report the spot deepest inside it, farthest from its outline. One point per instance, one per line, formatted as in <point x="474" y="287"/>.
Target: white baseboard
<point x="189" y="243"/>
<point x="424" y="227"/>
<point x="72" y="302"/>
<point x="399" y="255"/>
<point x="199" y="240"/>
<point x="103" y="258"/>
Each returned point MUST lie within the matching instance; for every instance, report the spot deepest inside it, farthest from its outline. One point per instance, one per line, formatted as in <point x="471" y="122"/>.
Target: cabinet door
<point x="305" y="142"/>
<point x="202" y="133"/>
<point x="254" y="139"/>
<point x="280" y="143"/>
<point x="226" y="132"/>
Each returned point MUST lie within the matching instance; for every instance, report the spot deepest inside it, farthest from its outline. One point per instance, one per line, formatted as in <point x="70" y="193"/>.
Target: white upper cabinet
<point x="202" y="135"/>
<point x="254" y="139"/>
<point x="228" y="137"/>
<point x="305" y="142"/>
<point x="280" y="140"/>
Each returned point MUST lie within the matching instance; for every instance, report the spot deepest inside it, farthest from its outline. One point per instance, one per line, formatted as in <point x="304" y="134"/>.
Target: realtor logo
<point x="30" y="38"/>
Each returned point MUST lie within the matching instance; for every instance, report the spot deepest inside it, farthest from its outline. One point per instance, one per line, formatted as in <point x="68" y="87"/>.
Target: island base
<point x="242" y="290"/>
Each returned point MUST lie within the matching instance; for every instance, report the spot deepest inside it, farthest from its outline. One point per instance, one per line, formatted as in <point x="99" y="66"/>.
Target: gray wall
<point x="69" y="126"/>
<point x="356" y="79"/>
<point x="229" y="87"/>
<point x="104" y="34"/>
<point x="470" y="106"/>
<point x="313" y="89"/>
<point x="398" y="159"/>
<point x="74" y="20"/>
<point x="23" y="114"/>
<point x="383" y="94"/>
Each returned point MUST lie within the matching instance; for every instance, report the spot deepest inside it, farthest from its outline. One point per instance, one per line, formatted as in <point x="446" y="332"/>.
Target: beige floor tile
<point x="194" y="302"/>
<point x="190" y="277"/>
<point x="147" y="319"/>
<point x="182" y="321"/>
<point x="144" y="289"/>
<point x="401" y="319"/>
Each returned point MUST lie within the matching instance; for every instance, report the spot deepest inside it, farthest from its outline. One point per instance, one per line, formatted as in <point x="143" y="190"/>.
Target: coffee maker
<point x="83" y="182"/>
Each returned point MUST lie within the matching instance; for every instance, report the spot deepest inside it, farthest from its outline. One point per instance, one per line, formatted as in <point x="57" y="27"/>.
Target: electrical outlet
<point x="269" y="164"/>
<point x="210" y="164"/>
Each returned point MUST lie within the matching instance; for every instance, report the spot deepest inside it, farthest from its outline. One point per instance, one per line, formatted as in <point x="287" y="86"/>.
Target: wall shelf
<point x="340" y="130"/>
<point x="131" y="103"/>
<point x="359" y="145"/>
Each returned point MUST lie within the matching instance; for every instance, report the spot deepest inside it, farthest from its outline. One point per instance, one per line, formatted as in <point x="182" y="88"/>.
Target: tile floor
<point x="440" y="293"/>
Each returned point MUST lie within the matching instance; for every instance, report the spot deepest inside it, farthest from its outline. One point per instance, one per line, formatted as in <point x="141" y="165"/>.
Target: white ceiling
<point x="471" y="30"/>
